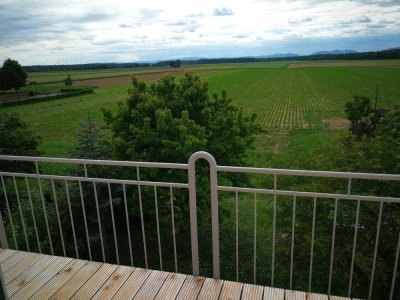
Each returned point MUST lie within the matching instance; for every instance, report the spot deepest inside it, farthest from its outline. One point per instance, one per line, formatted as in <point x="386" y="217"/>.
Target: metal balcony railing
<point x="14" y="232"/>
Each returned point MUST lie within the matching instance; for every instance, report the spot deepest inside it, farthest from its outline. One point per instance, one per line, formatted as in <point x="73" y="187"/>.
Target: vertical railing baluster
<point x="273" y="232"/>
<point x="354" y="248"/>
<point x="173" y="229"/>
<point x="33" y="214"/>
<point x="85" y="170"/>
<point x="85" y="221"/>
<point x="72" y="219"/>
<point x="44" y="208"/>
<point x="332" y="246"/>
<point x="312" y="244"/>
<point x="99" y="221"/>
<point x="292" y="245"/>
<point x="158" y="228"/>
<point x="21" y="213"/>
<point x="396" y="261"/>
<point x="58" y="217"/>
<point x="141" y="217"/>
<point x="255" y="238"/>
<point x="237" y="236"/>
<point x="9" y="213"/>
<point x="378" y="229"/>
<point x="128" y="227"/>
<point x="113" y="223"/>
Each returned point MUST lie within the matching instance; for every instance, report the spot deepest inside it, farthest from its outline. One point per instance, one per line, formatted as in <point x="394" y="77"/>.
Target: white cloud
<point x="71" y="31"/>
<point x="223" y="11"/>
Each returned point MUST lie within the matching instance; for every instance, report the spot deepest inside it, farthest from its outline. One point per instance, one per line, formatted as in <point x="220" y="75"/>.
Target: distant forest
<point x="386" y="54"/>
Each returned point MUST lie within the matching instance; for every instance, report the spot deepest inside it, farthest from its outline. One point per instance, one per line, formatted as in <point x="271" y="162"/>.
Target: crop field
<point x="345" y="63"/>
<point x="284" y="99"/>
<point x="301" y="98"/>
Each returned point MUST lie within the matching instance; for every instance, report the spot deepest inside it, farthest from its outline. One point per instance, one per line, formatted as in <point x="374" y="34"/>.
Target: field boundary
<point x="41" y="98"/>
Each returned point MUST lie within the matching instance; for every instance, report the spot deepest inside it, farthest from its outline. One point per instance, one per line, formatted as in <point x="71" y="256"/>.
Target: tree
<point x="167" y="121"/>
<point x="175" y="63"/>
<point x="68" y="81"/>
<point x="360" y="115"/>
<point x="390" y="124"/>
<point x="12" y="76"/>
<point x="17" y="138"/>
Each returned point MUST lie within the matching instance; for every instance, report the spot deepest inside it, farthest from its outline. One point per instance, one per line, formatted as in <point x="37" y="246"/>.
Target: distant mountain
<point x="278" y="55"/>
<point x="192" y="58"/>
<point x="334" y="52"/>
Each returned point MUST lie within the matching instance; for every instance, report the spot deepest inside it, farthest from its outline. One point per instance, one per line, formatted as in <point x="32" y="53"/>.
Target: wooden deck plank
<point x="152" y="285"/>
<point x="132" y="284"/>
<point x="295" y="295"/>
<point x="26" y="291"/>
<point x="95" y="282"/>
<point x="6" y="253"/>
<point x="231" y="290"/>
<point x="13" y="260"/>
<point x="273" y="293"/>
<point x="171" y="286"/>
<point x="113" y="284"/>
<point x="211" y="289"/>
<point x="38" y="276"/>
<point x="312" y="296"/>
<point x="59" y="279"/>
<point x="21" y="266"/>
<point x="25" y="277"/>
<point x="190" y="288"/>
<point x="76" y="282"/>
<point x="251" y="291"/>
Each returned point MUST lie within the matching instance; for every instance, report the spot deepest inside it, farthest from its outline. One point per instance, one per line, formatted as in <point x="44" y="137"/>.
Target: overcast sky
<point x="66" y="32"/>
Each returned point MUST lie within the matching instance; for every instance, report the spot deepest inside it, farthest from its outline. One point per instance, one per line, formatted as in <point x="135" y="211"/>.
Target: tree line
<point x="386" y="54"/>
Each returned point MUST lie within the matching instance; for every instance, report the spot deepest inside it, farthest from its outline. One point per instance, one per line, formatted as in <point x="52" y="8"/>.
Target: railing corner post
<point x="214" y="210"/>
<point x="3" y="236"/>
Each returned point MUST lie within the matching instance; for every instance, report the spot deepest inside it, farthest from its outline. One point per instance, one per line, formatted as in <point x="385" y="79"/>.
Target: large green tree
<point x="12" y="75"/>
<point x="167" y="121"/>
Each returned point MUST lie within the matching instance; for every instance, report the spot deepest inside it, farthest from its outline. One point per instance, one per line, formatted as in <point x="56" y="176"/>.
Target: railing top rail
<point x="289" y="172"/>
<point x="95" y="162"/>
<point x="231" y="169"/>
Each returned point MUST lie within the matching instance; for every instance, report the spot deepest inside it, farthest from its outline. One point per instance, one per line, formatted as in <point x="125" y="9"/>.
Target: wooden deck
<point x="38" y="276"/>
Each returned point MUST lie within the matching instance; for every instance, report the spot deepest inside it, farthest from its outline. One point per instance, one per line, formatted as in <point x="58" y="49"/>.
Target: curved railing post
<point x="214" y="211"/>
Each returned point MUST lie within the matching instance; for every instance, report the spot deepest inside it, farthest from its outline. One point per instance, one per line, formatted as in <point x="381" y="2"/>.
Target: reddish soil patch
<point x="337" y="123"/>
<point x="120" y="80"/>
<point x="13" y="96"/>
<point x="113" y="81"/>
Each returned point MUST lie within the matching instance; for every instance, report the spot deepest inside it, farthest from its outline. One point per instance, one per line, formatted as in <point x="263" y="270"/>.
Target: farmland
<point x="290" y="101"/>
<point x="300" y="109"/>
